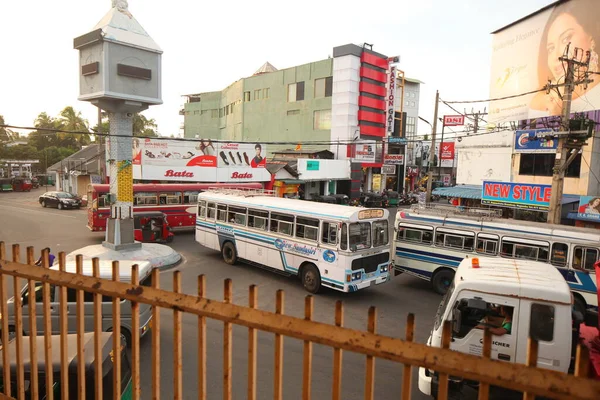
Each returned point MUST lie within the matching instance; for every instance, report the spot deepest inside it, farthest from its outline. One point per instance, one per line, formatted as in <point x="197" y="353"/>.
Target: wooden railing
<point x="528" y="379"/>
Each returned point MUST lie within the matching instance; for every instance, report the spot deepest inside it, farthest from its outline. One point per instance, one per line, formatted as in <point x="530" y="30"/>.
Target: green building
<point x="290" y="105"/>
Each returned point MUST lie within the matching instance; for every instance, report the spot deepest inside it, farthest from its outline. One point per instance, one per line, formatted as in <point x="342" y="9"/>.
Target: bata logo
<point x="245" y="175"/>
<point x="179" y="174"/>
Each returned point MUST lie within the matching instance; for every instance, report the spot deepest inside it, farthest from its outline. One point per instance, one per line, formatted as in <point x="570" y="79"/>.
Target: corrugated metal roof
<point x="474" y="192"/>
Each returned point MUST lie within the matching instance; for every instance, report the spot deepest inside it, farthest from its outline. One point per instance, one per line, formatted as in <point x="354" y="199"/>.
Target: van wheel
<point x="311" y="278"/>
<point x="229" y="253"/>
<point x="125" y="337"/>
<point x="441" y="281"/>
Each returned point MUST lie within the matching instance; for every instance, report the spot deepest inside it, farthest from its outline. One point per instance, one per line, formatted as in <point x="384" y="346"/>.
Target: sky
<point x="209" y="45"/>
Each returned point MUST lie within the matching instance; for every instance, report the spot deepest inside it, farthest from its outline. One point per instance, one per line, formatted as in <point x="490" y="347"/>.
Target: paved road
<point x="25" y="222"/>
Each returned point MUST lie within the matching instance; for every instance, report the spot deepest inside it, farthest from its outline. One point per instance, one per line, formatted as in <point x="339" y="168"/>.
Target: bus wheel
<point x="229" y="253"/>
<point x="311" y="279"/>
<point x="580" y="305"/>
<point x="441" y="281"/>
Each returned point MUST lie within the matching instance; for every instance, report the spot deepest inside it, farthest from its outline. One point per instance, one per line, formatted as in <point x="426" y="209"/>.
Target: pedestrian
<point x="50" y="258"/>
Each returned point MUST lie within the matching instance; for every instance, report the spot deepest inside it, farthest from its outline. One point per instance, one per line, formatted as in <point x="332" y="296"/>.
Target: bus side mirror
<point x="456" y="320"/>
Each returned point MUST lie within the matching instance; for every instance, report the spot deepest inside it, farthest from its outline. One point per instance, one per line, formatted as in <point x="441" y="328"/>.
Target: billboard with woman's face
<point x="526" y="57"/>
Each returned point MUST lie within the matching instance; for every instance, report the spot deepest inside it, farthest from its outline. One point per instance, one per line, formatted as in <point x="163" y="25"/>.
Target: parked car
<point x="60" y="200"/>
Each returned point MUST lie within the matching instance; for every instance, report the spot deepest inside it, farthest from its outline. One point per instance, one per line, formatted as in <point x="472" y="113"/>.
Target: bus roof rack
<point x="448" y="211"/>
<point x="242" y="191"/>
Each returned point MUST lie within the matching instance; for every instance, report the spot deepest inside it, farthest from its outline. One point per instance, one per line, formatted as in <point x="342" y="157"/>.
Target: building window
<point x="295" y="92"/>
<point x="196" y="112"/>
<point x="293" y="112"/>
<point x="411" y="125"/>
<point x="265" y="93"/>
<point x="246" y="96"/>
<point x="322" y="120"/>
<point x="412" y="104"/>
<point x="214" y="113"/>
<point x="542" y="164"/>
<point x="257" y="94"/>
<point x="221" y="112"/>
<point x="323" y="87"/>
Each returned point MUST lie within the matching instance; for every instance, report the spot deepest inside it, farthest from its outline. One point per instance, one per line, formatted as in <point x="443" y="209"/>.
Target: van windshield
<point x="442" y="307"/>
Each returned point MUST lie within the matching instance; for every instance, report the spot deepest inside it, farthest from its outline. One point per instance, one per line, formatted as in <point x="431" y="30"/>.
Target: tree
<point x="6" y="135"/>
<point x="42" y="139"/>
<point x="142" y="126"/>
<point x="71" y="120"/>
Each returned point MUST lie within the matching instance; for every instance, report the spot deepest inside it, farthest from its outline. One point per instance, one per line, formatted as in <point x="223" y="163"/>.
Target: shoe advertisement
<point x="201" y="161"/>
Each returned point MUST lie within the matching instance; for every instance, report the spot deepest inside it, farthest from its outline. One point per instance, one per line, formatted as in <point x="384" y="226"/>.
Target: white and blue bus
<point x="431" y="243"/>
<point x="341" y="247"/>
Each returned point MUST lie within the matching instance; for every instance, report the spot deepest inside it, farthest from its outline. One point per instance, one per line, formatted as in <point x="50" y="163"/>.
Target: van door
<point x="39" y="308"/>
<point x="474" y="311"/>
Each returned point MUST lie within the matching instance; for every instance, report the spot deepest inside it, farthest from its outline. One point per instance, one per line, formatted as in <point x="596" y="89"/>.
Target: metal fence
<point x="528" y="379"/>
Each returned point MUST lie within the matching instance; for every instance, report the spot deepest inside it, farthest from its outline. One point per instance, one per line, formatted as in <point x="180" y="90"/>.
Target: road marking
<point x="29" y="210"/>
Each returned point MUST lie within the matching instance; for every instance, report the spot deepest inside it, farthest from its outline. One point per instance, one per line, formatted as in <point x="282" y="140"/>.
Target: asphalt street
<point x="24" y="221"/>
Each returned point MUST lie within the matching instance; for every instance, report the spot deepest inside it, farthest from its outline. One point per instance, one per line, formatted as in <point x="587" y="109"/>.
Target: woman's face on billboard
<point x="564" y="30"/>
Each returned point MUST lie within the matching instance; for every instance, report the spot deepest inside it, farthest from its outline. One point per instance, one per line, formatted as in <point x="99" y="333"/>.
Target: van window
<point x="39" y="293"/>
<point x="489" y="315"/>
<point x="307" y="228"/>
<point x="258" y="219"/>
<point x="414" y="234"/>
<point x="329" y="233"/>
<point x="455" y="239"/>
<point x="558" y="255"/>
<point x="487" y="244"/>
<point x="585" y="258"/>
<point x="202" y="209"/>
<point x="541" y="322"/>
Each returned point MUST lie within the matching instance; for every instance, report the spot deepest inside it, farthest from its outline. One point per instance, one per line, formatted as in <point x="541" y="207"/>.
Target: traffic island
<point x="158" y="255"/>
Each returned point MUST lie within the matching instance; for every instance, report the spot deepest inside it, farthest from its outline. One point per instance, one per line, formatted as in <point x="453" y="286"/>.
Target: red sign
<point x="179" y="174"/>
<point x="447" y="151"/>
<point x="244" y="175"/>
<point x="454" y="120"/>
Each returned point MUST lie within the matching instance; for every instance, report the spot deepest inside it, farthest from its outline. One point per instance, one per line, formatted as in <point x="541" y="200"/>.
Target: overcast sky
<point x="209" y="45"/>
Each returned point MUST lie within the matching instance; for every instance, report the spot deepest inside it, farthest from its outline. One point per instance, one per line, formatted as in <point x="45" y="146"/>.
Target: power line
<point x="495" y="99"/>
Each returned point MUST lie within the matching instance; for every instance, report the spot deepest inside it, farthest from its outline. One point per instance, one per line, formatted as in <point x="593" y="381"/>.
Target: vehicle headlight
<point x="384" y="268"/>
<point x="356" y="275"/>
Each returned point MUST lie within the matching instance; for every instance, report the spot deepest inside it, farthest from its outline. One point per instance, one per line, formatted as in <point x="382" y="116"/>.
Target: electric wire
<point x="495" y="99"/>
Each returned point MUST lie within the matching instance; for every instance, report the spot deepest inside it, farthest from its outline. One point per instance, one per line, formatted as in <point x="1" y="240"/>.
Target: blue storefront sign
<point x="589" y="208"/>
<point x="535" y="141"/>
<point x="516" y="195"/>
<point x="397" y="140"/>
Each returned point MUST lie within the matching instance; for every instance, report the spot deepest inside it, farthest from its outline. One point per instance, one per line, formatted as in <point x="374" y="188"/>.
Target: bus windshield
<point x="360" y="235"/>
<point x="380" y="233"/>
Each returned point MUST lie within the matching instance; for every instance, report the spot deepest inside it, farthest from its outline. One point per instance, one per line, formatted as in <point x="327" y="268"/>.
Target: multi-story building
<point x="336" y="102"/>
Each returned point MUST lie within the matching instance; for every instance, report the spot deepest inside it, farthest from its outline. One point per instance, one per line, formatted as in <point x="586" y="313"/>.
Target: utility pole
<point x="432" y="148"/>
<point x="561" y="162"/>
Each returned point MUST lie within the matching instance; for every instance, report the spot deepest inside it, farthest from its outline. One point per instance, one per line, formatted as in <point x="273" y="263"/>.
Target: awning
<point x="462" y="192"/>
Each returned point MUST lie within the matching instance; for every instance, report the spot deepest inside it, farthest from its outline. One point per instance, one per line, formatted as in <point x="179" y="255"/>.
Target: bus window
<point x="307" y="228"/>
<point x="258" y="219"/>
<point x="415" y="234"/>
<point x="559" y="254"/>
<point x="221" y="213"/>
<point x="170" y="198"/>
<point x="329" y="233"/>
<point x="360" y="236"/>
<point x="344" y="240"/>
<point x="237" y="215"/>
<point x="190" y="197"/>
<point x="202" y="209"/>
<point x="380" y="233"/>
<point x="585" y="258"/>
<point x="282" y="223"/>
<point x="487" y="244"/>
<point x="145" y="198"/>
<point x="455" y="239"/>
<point x="211" y="211"/>
<point x="527" y="249"/>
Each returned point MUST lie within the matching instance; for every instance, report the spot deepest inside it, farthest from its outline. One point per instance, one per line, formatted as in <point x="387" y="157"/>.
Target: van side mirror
<point x="456" y="320"/>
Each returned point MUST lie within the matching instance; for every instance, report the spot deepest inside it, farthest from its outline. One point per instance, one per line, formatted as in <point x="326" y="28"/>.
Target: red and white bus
<point x="173" y="199"/>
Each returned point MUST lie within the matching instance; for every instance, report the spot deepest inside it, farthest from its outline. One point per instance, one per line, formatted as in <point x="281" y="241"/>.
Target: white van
<point x="145" y="270"/>
<point x="516" y="299"/>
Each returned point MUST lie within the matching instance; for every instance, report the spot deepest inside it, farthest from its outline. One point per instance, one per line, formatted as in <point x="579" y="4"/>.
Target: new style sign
<point x="589" y="208"/>
<point x="454" y="120"/>
<point x="393" y="159"/>
<point x="535" y="141"/>
<point x="516" y="195"/>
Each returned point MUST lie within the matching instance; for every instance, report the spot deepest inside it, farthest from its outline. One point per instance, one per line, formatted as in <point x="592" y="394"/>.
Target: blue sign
<point x="517" y="195"/>
<point x="329" y="256"/>
<point x="535" y="141"/>
<point x="397" y="140"/>
<point x="589" y="208"/>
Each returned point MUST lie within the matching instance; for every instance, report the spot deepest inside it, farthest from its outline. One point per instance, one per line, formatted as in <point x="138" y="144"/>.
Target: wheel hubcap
<point x="309" y="279"/>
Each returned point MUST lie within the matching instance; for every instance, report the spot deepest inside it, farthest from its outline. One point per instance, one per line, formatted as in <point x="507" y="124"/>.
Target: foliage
<point x="142" y="126"/>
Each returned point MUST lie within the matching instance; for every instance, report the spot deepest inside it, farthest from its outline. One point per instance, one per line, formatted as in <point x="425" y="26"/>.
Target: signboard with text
<point x="535" y="141"/>
<point x="447" y="154"/>
<point x="388" y="169"/>
<point x="516" y="195"/>
<point x="390" y="100"/>
<point x="589" y="208"/>
<point x="365" y="151"/>
<point x="454" y="120"/>
<point x="393" y="159"/>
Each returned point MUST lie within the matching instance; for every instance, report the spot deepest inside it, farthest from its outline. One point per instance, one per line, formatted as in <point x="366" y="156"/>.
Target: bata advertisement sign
<point x="202" y="161"/>
<point x="447" y="154"/>
<point x="394" y="159"/>
<point x="517" y="195"/>
<point x="525" y="57"/>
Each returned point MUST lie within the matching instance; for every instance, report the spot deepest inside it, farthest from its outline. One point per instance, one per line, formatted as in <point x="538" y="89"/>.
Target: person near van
<point x="50" y="258"/>
<point x="505" y="326"/>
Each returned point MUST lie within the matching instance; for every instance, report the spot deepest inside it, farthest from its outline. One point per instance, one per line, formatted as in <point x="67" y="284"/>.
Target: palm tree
<point x="71" y="120"/>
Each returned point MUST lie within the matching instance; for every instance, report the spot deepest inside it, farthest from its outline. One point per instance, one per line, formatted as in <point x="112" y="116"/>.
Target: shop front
<point x="323" y="177"/>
